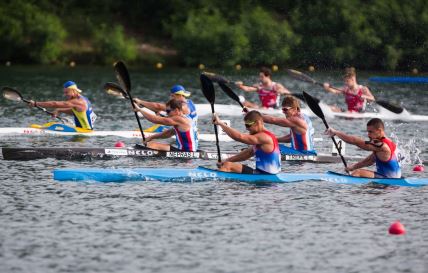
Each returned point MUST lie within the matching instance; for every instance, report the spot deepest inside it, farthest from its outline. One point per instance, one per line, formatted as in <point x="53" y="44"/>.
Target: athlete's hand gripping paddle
<point x="14" y="95"/>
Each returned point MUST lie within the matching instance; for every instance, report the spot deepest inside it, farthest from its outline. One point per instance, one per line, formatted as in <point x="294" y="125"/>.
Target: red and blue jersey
<point x="303" y="142"/>
<point x="268" y="162"/>
<point x="187" y="141"/>
<point x="390" y="168"/>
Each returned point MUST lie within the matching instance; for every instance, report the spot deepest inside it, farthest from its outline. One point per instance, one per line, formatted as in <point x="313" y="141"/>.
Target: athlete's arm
<point x="78" y="104"/>
<point x="361" y="143"/>
<point x="169" y="121"/>
<point x="280" y="89"/>
<point x="367" y="94"/>
<point x="164" y="134"/>
<point x="285" y="139"/>
<point x="243" y="155"/>
<point x="246" y="88"/>
<point x="368" y="161"/>
<point x="154" y="106"/>
<point x="328" y="88"/>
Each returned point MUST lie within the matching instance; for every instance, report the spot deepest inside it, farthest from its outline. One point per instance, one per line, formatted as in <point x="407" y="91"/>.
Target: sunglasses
<point x="168" y="111"/>
<point x="285" y="109"/>
<point x="248" y="124"/>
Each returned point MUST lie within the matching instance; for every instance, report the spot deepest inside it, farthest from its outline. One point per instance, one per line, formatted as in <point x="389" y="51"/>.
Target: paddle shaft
<point x="44" y="110"/>
<point x="216" y="137"/>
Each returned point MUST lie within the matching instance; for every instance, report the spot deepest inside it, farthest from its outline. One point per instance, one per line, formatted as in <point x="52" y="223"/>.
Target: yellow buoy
<point x="72" y="64"/>
<point x="201" y="66"/>
<point x="311" y="68"/>
<point x="274" y="68"/>
<point x="159" y="65"/>
<point x="8" y="63"/>
<point x="238" y="67"/>
<point x="415" y="71"/>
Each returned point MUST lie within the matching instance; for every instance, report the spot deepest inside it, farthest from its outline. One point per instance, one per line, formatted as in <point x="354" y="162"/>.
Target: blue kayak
<point x="399" y="79"/>
<point x="205" y="174"/>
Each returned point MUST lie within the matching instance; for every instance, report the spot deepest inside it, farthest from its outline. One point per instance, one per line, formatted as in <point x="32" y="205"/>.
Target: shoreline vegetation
<point x="387" y="35"/>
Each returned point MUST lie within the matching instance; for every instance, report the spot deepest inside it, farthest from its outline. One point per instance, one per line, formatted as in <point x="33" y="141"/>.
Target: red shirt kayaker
<point x="356" y="95"/>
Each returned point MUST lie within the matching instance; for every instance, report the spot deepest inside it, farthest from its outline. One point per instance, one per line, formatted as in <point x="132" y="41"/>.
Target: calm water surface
<point x="46" y="226"/>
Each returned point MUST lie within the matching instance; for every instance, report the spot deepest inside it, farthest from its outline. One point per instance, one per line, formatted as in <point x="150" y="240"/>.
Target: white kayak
<point x="236" y="110"/>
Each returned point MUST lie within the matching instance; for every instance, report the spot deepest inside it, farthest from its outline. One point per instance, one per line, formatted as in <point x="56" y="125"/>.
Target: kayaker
<point x="264" y="147"/>
<point x="177" y="92"/>
<point x="76" y="105"/>
<point x="384" y="151"/>
<point x="301" y="130"/>
<point x="356" y="96"/>
<point x="183" y="127"/>
<point x="269" y="91"/>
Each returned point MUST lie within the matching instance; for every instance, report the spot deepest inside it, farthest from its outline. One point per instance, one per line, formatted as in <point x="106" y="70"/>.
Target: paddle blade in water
<point x="11" y="94"/>
<point x="207" y="88"/>
<point x="391" y="107"/>
<point x="313" y="104"/>
<point x="122" y="75"/>
<point x="116" y="90"/>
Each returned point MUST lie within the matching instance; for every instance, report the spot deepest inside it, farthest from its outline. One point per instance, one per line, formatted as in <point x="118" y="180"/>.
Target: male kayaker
<point x="356" y="95"/>
<point x="183" y="128"/>
<point x="76" y="105"/>
<point x="269" y="91"/>
<point x="301" y="130"/>
<point x="177" y="92"/>
<point x="264" y="147"/>
<point x="384" y="151"/>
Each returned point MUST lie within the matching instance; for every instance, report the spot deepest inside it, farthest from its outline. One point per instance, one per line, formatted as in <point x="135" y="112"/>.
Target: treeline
<point x="382" y="34"/>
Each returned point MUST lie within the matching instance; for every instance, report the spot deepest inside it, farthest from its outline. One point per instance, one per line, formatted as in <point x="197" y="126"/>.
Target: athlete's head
<point x="375" y="128"/>
<point x="253" y="122"/>
<point x="178" y="92"/>
<point x="174" y="107"/>
<point x="70" y="90"/>
<point x="265" y="74"/>
<point x="290" y="106"/>
<point x="350" y="77"/>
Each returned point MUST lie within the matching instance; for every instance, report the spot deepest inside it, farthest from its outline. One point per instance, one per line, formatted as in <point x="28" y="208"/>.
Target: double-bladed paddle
<point x="305" y="78"/>
<point x="220" y="79"/>
<point x="14" y="95"/>
<point x="209" y="93"/>
<point x="122" y="76"/>
<point x="314" y="106"/>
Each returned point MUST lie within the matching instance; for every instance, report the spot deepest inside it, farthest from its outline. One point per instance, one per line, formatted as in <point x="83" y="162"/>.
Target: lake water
<point x="47" y="226"/>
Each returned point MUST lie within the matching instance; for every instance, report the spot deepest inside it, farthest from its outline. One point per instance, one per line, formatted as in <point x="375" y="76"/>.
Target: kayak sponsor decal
<point x="183" y="154"/>
<point x="139" y="152"/>
<point x="214" y="156"/>
<point x="199" y="174"/>
<point x="115" y="152"/>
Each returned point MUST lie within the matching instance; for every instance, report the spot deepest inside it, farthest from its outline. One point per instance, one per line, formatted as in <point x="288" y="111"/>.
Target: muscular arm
<point x="79" y="105"/>
<point x="328" y="88"/>
<point x="163" y="134"/>
<point x="244" y="155"/>
<point x="238" y="136"/>
<point x="277" y="121"/>
<point x="246" y="88"/>
<point x="158" y="119"/>
<point x="154" y="106"/>
<point x="284" y="139"/>
<point x="368" y="161"/>
<point x="359" y="142"/>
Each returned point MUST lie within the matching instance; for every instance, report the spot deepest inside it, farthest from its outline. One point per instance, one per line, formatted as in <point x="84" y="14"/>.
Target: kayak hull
<point x="204" y="174"/>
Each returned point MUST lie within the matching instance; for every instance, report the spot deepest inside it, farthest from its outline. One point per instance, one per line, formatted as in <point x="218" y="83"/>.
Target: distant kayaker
<point x="177" y="92"/>
<point x="76" y="105"/>
<point x="269" y="91"/>
<point x="182" y="127"/>
<point x="301" y="130"/>
<point x="384" y="151"/>
<point x="356" y="96"/>
<point x="264" y="147"/>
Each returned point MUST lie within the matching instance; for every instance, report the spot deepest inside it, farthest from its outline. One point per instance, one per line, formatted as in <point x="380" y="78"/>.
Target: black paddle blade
<point x="11" y="94"/>
<point x="300" y="76"/>
<point x="207" y="88"/>
<point x="313" y="105"/>
<point x="216" y="78"/>
<point x="122" y="75"/>
<point x="391" y="107"/>
<point x="116" y="90"/>
<point x="230" y="93"/>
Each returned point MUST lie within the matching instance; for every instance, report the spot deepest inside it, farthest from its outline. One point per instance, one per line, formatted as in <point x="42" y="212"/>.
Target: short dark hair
<point x="376" y="123"/>
<point x="175" y="104"/>
<point x="253" y="115"/>
<point x="266" y="71"/>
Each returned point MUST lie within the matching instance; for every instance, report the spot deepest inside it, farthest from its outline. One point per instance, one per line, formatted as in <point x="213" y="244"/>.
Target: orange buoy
<point x="397" y="228"/>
